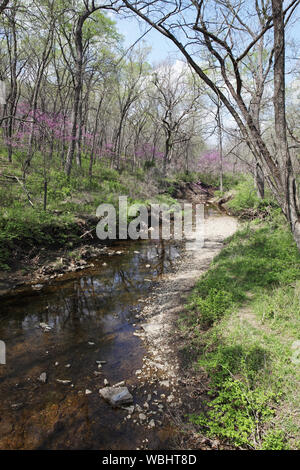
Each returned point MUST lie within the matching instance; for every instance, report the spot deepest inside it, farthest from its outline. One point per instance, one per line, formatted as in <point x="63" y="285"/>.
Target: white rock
<point x="170" y="398"/>
<point x="130" y="409"/>
<point x="45" y="327"/>
<point x="43" y="378"/>
<point x="117" y="397"/>
<point x="165" y="383"/>
<point x="120" y="384"/>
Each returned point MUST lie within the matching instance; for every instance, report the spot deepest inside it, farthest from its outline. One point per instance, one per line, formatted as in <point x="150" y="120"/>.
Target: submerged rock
<point x="64" y="382"/>
<point x="130" y="409"/>
<point x="43" y="378"/>
<point x="116" y="396"/>
<point x="17" y="406"/>
<point x="45" y="327"/>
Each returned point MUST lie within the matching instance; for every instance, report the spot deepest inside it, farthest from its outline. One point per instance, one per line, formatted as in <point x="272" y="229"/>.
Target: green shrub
<point x="275" y="440"/>
<point x="249" y="370"/>
<point x="109" y="174"/>
<point x="237" y="413"/>
<point x="213" y="306"/>
<point x="245" y="196"/>
<point x="254" y="259"/>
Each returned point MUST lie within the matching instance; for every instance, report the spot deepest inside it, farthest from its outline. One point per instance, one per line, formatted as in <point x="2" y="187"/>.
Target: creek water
<point x="92" y="316"/>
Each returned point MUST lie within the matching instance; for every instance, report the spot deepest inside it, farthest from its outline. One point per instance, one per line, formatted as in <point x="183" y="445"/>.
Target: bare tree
<point x="3" y="5"/>
<point x="176" y="101"/>
<point x="216" y="26"/>
<point x="78" y="48"/>
<point x="42" y="60"/>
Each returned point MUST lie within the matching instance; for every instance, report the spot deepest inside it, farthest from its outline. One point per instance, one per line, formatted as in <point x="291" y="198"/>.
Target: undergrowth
<point x="242" y="328"/>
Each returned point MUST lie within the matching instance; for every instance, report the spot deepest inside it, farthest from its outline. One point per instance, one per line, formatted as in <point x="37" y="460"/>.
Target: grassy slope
<point x="23" y="228"/>
<point x="242" y="327"/>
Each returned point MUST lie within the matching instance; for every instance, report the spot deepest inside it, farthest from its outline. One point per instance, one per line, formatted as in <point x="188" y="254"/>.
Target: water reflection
<point x="91" y="315"/>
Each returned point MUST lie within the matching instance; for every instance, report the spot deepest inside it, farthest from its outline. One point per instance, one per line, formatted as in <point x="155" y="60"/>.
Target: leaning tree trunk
<point x="291" y="207"/>
<point x="12" y="100"/>
<point x="259" y="181"/>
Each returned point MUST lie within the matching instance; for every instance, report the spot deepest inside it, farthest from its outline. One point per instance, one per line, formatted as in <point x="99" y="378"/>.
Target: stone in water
<point x="116" y="396"/>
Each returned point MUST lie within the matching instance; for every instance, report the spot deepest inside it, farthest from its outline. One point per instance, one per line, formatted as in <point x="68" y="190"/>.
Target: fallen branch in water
<point x="88" y="233"/>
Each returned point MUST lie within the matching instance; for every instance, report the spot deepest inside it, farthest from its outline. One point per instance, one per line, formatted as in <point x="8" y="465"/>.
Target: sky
<point x="161" y="47"/>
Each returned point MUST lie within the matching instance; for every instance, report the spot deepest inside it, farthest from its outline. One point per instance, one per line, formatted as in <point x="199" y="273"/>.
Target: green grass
<point x="23" y="227"/>
<point x="245" y="198"/>
<point x="242" y="326"/>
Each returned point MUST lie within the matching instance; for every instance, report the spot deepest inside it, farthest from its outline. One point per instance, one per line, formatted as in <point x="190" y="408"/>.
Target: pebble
<point x="17" y="406"/>
<point x="45" y="327"/>
<point x="170" y="398"/>
<point x="43" y="378"/>
<point x="130" y="409"/>
<point x="120" y="384"/>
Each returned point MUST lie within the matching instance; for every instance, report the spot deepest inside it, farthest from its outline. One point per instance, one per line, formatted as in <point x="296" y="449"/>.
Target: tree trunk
<point x="77" y="92"/>
<point x="291" y="208"/>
